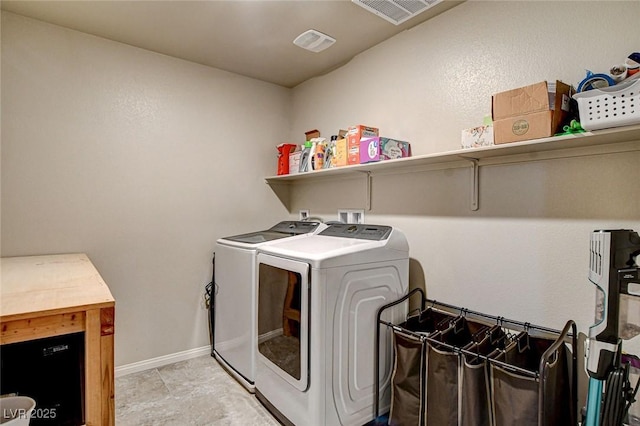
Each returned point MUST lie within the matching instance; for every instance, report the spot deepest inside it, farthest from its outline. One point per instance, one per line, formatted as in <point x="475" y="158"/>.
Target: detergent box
<point x="340" y="158"/>
<point x="354" y="134"/>
<point x="391" y="149"/>
<point x="476" y="137"/>
<point x="294" y="162"/>
<point x="369" y="150"/>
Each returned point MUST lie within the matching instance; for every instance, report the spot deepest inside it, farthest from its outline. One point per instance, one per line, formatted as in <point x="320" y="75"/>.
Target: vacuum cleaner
<point x="614" y="270"/>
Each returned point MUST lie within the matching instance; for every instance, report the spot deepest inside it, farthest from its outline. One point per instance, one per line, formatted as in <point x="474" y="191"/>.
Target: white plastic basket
<point x="613" y="106"/>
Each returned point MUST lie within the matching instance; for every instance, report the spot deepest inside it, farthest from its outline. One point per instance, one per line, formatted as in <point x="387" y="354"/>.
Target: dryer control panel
<point x="359" y="231"/>
<point x="294" y="227"/>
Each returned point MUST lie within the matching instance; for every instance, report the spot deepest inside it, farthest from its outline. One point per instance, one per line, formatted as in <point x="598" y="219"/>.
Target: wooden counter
<point x="44" y="296"/>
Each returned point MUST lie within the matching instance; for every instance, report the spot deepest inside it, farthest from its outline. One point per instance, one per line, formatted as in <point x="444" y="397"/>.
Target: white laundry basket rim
<point x="16" y="410"/>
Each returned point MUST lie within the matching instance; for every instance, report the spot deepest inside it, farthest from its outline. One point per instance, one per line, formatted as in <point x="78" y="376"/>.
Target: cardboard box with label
<point x="369" y="150"/>
<point x="530" y="112"/>
<point x="354" y="134"/>
<point x="391" y="149"/>
<point x="311" y="134"/>
<point x="294" y="162"/>
<point x="340" y="158"/>
<point x="477" y="137"/>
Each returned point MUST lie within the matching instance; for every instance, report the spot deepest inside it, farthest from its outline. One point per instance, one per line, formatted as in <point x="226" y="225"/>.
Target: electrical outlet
<point x="303" y="214"/>
<point x="351" y="215"/>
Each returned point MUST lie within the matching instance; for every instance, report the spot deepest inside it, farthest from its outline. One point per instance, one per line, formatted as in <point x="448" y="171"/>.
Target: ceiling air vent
<point x="314" y="41"/>
<point x="396" y="11"/>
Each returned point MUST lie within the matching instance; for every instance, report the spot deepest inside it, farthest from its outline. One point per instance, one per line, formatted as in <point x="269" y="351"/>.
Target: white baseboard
<point x="160" y="361"/>
<point x="270" y="335"/>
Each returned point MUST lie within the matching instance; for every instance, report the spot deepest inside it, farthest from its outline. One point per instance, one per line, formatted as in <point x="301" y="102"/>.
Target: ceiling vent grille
<point x="314" y="41"/>
<point x="396" y="11"/>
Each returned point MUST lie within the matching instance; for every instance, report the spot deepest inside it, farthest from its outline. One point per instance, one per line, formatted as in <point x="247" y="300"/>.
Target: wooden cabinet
<point x="45" y="296"/>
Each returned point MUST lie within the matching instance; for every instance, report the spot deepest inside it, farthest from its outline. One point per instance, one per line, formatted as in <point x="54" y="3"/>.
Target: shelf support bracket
<point x="369" y="190"/>
<point x="475" y="168"/>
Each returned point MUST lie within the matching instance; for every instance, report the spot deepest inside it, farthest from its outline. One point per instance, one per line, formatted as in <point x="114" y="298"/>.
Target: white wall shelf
<point x="606" y="141"/>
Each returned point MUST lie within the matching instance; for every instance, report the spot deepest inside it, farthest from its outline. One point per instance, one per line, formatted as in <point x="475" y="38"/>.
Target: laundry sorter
<point x="457" y="367"/>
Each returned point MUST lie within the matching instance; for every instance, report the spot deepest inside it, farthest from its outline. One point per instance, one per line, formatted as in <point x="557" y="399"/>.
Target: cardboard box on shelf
<point x="340" y="158"/>
<point x="369" y="150"/>
<point x="311" y="134"/>
<point x="391" y="149"/>
<point x="530" y="112"/>
<point x="354" y="134"/>
<point x="294" y="162"/>
<point x="477" y="137"/>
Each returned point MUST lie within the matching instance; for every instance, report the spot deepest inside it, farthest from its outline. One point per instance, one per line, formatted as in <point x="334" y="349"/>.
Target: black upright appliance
<point x="614" y="268"/>
<point x="51" y="371"/>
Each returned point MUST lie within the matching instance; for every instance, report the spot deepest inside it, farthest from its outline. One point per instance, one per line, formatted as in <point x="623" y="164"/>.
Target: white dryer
<point x="234" y="299"/>
<point x="317" y="303"/>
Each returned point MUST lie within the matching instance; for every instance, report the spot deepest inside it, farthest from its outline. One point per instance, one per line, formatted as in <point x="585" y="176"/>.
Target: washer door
<point x="283" y="318"/>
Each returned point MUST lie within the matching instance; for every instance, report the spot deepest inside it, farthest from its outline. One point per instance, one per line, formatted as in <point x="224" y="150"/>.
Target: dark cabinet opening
<point x="51" y="371"/>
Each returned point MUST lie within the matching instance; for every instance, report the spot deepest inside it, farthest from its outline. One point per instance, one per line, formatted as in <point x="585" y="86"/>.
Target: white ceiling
<point x="251" y="38"/>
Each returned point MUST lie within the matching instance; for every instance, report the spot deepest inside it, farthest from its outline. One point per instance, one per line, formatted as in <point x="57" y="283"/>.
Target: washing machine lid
<point x="285" y="229"/>
<point x="343" y="244"/>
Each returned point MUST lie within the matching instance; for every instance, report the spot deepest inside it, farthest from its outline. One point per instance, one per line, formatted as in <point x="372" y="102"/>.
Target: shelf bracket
<point x="369" y="190"/>
<point x="475" y="168"/>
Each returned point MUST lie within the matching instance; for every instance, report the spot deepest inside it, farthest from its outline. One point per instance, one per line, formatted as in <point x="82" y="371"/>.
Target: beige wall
<point x="142" y="161"/>
<point x="524" y="254"/>
<point x="138" y="159"/>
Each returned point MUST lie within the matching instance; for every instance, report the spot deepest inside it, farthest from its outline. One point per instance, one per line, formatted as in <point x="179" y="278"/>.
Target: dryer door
<point x="283" y="318"/>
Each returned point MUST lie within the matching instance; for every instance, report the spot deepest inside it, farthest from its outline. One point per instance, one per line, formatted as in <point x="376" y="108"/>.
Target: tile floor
<point x="193" y="392"/>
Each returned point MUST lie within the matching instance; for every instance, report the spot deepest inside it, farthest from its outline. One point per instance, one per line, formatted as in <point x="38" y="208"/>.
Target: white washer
<point x="321" y="372"/>
<point x="234" y="309"/>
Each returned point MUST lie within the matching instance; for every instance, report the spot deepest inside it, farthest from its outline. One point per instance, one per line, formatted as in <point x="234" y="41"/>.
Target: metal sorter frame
<point x="567" y="335"/>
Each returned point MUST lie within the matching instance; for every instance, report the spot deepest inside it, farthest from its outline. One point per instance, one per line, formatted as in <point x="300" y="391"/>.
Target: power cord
<point x="207" y="294"/>
<point x="613" y="406"/>
<point x="619" y="396"/>
<point x="631" y="397"/>
<point x="210" y="302"/>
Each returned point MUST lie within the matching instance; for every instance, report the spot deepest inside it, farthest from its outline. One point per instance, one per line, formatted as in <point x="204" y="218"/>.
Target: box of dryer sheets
<point x="294" y="162"/>
<point x="369" y="150"/>
<point x="340" y="158"/>
<point x="354" y="134"/>
<point x="477" y="136"/>
<point x="391" y="149"/>
<point x="530" y="112"/>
